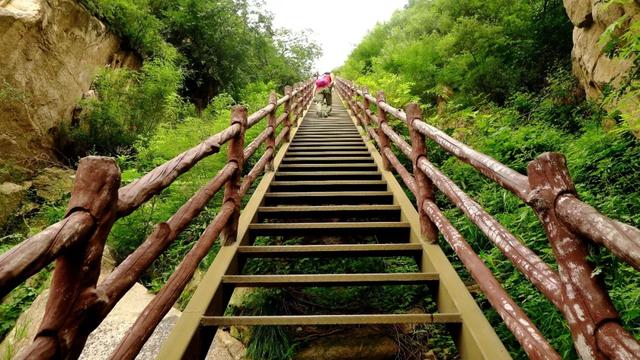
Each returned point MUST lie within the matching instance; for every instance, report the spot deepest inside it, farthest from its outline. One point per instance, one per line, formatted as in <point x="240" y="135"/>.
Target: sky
<point x="337" y="25"/>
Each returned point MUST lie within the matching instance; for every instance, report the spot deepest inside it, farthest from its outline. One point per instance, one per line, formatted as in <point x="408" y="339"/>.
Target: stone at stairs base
<point x="360" y="343"/>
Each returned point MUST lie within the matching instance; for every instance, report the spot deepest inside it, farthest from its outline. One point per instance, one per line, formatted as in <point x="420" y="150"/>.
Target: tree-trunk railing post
<point x="235" y="153"/>
<point x="355" y="107"/>
<point x="424" y="185"/>
<point x="353" y="101"/>
<point x="365" y="116"/>
<point x="309" y="94"/>
<point x="586" y="303"/>
<point x="271" y="118"/>
<point x="76" y="272"/>
<point x="384" y="139"/>
<point x="296" y="104"/>
<point x="287" y="109"/>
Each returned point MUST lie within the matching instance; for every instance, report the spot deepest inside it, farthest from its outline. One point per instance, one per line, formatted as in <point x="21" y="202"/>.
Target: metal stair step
<point x="368" y="319"/>
<point x="330" y="198"/>
<point x="327" y="159"/>
<point x="328" y="185"/>
<point x="323" y="167"/>
<point x="324" y="143"/>
<point x="314" y="134"/>
<point x="327" y="153"/>
<point x="389" y="229"/>
<point x="329" y="280"/>
<point x="322" y="251"/>
<point x="330" y="213"/>
<point x="358" y="147"/>
<point x="336" y="175"/>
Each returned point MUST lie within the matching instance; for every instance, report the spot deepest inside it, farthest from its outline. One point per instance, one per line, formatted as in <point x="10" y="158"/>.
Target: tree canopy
<point x="478" y="49"/>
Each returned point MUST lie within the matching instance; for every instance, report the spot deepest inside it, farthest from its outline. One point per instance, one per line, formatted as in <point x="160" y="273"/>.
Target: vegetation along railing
<point x="77" y="304"/>
<point x="569" y="223"/>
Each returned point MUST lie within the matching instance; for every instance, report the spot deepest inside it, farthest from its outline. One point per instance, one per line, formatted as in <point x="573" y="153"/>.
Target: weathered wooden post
<point x="310" y="93"/>
<point x="76" y="273"/>
<point x="235" y="153"/>
<point x="586" y="303"/>
<point x="423" y="183"/>
<point x="384" y="139"/>
<point x="287" y="109"/>
<point x="271" y="140"/>
<point x="296" y="105"/>
<point x="310" y="86"/>
<point x="353" y="101"/>
<point x="367" y="106"/>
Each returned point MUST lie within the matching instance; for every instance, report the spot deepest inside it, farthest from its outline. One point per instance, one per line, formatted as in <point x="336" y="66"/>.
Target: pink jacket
<point x="324" y="82"/>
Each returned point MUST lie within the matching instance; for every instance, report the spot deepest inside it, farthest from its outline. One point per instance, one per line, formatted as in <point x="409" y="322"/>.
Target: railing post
<point x="586" y="304"/>
<point x="309" y="95"/>
<point x="424" y="185"/>
<point x="287" y="109"/>
<point x="367" y="105"/>
<point x="296" y="105"/>
<point x="235" y="153"/>
<point x="271" y="140"/>
<point x="384" y="139"/>
<point x="61" y="334"/>
<point x="354" y="105"/>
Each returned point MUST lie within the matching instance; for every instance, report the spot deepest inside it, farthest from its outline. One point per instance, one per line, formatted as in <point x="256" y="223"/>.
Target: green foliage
<point x="228" y="44"/>
<point x="20" y="299"/>
<point x="220" y="46"/>
<point x="131" y="20"/>
<point x="621" y="41"/>
<point x="509" y="94"/>
<point x="129" y="105"/>
<point x="169" y="140"/>
<point x="479" y="49"/>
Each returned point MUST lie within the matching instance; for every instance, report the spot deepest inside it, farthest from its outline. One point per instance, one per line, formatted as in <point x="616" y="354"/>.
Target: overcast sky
<point x="337" y="25"/>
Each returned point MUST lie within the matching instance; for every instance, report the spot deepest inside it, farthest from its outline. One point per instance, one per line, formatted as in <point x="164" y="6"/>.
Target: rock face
<point x="51" y="51"/>
<point x="590" y="19"/>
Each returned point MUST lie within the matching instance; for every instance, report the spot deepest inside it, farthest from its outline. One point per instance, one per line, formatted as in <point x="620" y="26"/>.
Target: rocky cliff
<point x="51" y="51"/>
<point x="590" y="19"/>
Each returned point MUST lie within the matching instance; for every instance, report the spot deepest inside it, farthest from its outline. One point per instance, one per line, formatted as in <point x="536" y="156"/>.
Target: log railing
<point x="569" y="223"/>
<point x="77" y="304"/>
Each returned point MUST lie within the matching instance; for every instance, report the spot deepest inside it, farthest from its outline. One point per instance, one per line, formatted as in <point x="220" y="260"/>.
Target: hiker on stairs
<point x="324" y="85"/>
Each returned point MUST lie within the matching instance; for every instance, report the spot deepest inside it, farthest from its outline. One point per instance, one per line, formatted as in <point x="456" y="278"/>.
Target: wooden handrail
<point x="514" y="317"/>
<point x="77" y="305"/>
<point x="131" y="196"/>
<point x="549" y="191"/>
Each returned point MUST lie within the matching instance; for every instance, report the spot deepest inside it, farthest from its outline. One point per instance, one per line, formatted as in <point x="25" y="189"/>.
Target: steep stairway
<point x="328" y="199"/>
<point x="329" y="186"/>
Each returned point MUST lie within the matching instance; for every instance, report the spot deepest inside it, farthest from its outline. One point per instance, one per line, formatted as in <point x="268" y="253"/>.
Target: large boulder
<point x="590" y="18"/>
<point x="51" y="51"/>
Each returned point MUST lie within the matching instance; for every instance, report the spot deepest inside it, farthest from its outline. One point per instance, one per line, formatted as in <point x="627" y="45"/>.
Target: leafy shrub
<point x="129" y="106"/>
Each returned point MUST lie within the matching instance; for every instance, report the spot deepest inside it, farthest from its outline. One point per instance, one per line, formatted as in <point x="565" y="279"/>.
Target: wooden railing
<point x="77" y="304"/>
<point x="569" y="223"/>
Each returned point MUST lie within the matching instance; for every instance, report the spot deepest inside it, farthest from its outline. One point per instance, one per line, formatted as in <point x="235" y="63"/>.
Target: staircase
<point x="328" y="183"/>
